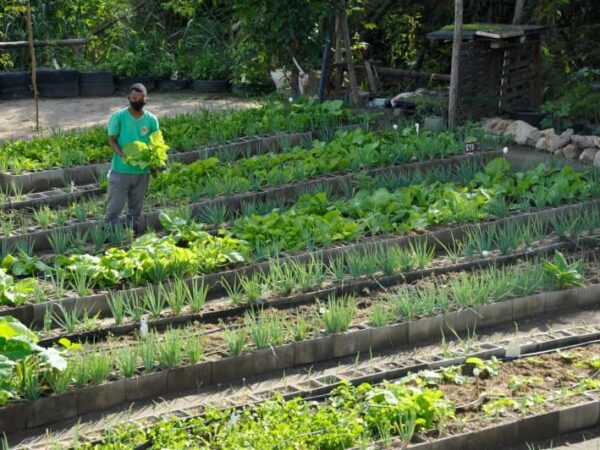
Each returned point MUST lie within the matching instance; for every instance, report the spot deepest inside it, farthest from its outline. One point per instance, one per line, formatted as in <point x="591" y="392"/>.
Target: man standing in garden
<point x="128" y="182"/>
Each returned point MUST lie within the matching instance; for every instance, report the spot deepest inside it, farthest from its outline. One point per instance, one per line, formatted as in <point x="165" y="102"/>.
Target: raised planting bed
<point x="352" y="274"/>
<point x="561" y="218"/>
<point x="347" y="150"/>
<point x="234" y="203"/>
<point x="498" y="406"/>
<point x="54" y="197"/>
<point x="183" y="132"/>
<point x="78" y="175"/>
<point x="218" y="369"/>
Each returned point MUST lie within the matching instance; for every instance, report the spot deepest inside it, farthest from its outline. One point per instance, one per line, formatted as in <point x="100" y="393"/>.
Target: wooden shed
<point x="500" y="67"/>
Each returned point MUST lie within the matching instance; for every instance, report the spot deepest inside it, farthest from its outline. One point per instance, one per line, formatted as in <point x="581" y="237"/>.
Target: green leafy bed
<point x="349" y="150"/>
<point x="183" y="132"/>
<point x="21" y="360"/>
<point x="186" y="250"/>
<point x="147" y="156"/>
<point x="312" y="221"/>
<point x="350" y="416"/>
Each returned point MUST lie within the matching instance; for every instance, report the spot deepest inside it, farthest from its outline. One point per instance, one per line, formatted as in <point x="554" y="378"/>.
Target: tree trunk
<point x="36" y="95"/>
<point x="354" y="95"/>
<point x="294" y="80"/>
<point x="454" y="78"/>
<point x="518" y="17"/>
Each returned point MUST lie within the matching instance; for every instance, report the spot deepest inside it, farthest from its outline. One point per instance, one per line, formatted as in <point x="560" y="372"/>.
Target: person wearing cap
<point x="127" y="182"/>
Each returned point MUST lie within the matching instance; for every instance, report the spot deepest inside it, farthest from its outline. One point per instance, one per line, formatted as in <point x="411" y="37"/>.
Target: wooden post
<point x="33" y="68"/>
<point x="454" y="77"/>
<point x="354" y="95"/>
<point x="371" y="77"/>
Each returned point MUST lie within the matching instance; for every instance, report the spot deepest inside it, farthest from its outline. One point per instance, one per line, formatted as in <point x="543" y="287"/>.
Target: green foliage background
<point x="241" y="39"/>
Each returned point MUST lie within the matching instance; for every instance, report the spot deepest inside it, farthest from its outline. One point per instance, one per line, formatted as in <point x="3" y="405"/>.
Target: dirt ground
<point x="17" y="117"/>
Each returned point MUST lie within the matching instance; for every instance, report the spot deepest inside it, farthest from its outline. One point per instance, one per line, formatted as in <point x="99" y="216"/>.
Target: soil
<point x="553" y="373"/>
<point x="18" y="118"/>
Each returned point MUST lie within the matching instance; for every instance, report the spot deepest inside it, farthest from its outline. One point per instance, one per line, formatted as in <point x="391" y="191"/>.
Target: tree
<point x="283" y="31"/>
<point x="518" y="17"/>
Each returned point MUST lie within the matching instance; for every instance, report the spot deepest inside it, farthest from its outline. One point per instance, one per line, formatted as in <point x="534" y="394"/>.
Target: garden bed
<point x="44" y="180"/>
<point x="122" y="391"/>
<point x="224" y="308"/>
<point x="40" y="239"/>
<point x="440" y="238"/>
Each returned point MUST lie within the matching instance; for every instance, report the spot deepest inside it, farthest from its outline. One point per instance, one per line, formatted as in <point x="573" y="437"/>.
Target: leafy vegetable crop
<point x="19" y="356"/>
<point x="147" y="156"/>
<point x="349" y="417"/>
<point x="349" y="150"/>
<point x="183" y="132"/>
<point x="187" y="250"/>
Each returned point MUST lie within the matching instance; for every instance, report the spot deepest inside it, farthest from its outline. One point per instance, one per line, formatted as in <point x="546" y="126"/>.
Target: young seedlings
<point x="215" y="214"/>
<point x="339" y="313"/>
<point x="194" y="349"/>
<point x="281" y="278"/>
<point x="27" y="377"/>
<point x="147" y="354"/>
<point x="60" y="241"/>
<point x="421" y="253"/>
<point x="196" y="294"/>
<point x="67" y="319"/>
<point x="175" y="294"/>
<point x="133" y="305"/>
<point x="235" y="338"/>
<point x="234" y="292"/>
<point x="44" y="217"/>
<point x="58" y="380"/>
<point x="380" y="315"/>
<point x="154" y="301"/>
<point x="126" y="360"/>
<point x="252" y="287"/>
<point x="265" y="330"/>
<point x="169" y="351"/>
<point x="99" y="234"/>
<point x="99" y="366"/>
<point x="299" y="329"/>
<point x="82" y="281"/>
<point x="116" y="304"/>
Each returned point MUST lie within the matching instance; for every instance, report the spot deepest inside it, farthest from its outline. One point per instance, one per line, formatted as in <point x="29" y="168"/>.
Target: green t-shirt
<point x="128" y="129"/>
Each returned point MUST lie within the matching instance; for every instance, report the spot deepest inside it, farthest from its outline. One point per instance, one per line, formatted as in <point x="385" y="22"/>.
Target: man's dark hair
<point x="139" y="87"/>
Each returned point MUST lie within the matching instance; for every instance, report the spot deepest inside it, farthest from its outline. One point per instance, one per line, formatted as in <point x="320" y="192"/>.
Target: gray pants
<point x="125" y="187"/>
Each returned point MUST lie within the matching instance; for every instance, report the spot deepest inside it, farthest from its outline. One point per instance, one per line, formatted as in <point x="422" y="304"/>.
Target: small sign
<point x="470" y="146"/>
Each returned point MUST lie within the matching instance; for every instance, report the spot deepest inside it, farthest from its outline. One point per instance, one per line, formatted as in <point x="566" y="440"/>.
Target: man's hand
<point x="112" y="141"/>
<point x="156" y="170"/>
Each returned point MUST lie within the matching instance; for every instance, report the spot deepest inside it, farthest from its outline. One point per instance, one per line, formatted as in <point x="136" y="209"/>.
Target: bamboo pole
<point x="454" y="77"/>
<point x="33" y="68"/>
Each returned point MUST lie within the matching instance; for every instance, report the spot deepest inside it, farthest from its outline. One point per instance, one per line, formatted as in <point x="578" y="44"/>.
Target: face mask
<point x="137" y="105"/>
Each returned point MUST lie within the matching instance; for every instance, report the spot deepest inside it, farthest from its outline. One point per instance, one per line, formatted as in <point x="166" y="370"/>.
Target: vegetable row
<point x="430" y="404"/>
<point x="183" y="132"/>
<point x="314" y="221"/>
<point x="182" y="184"/>
<point x="97" y="362"/>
